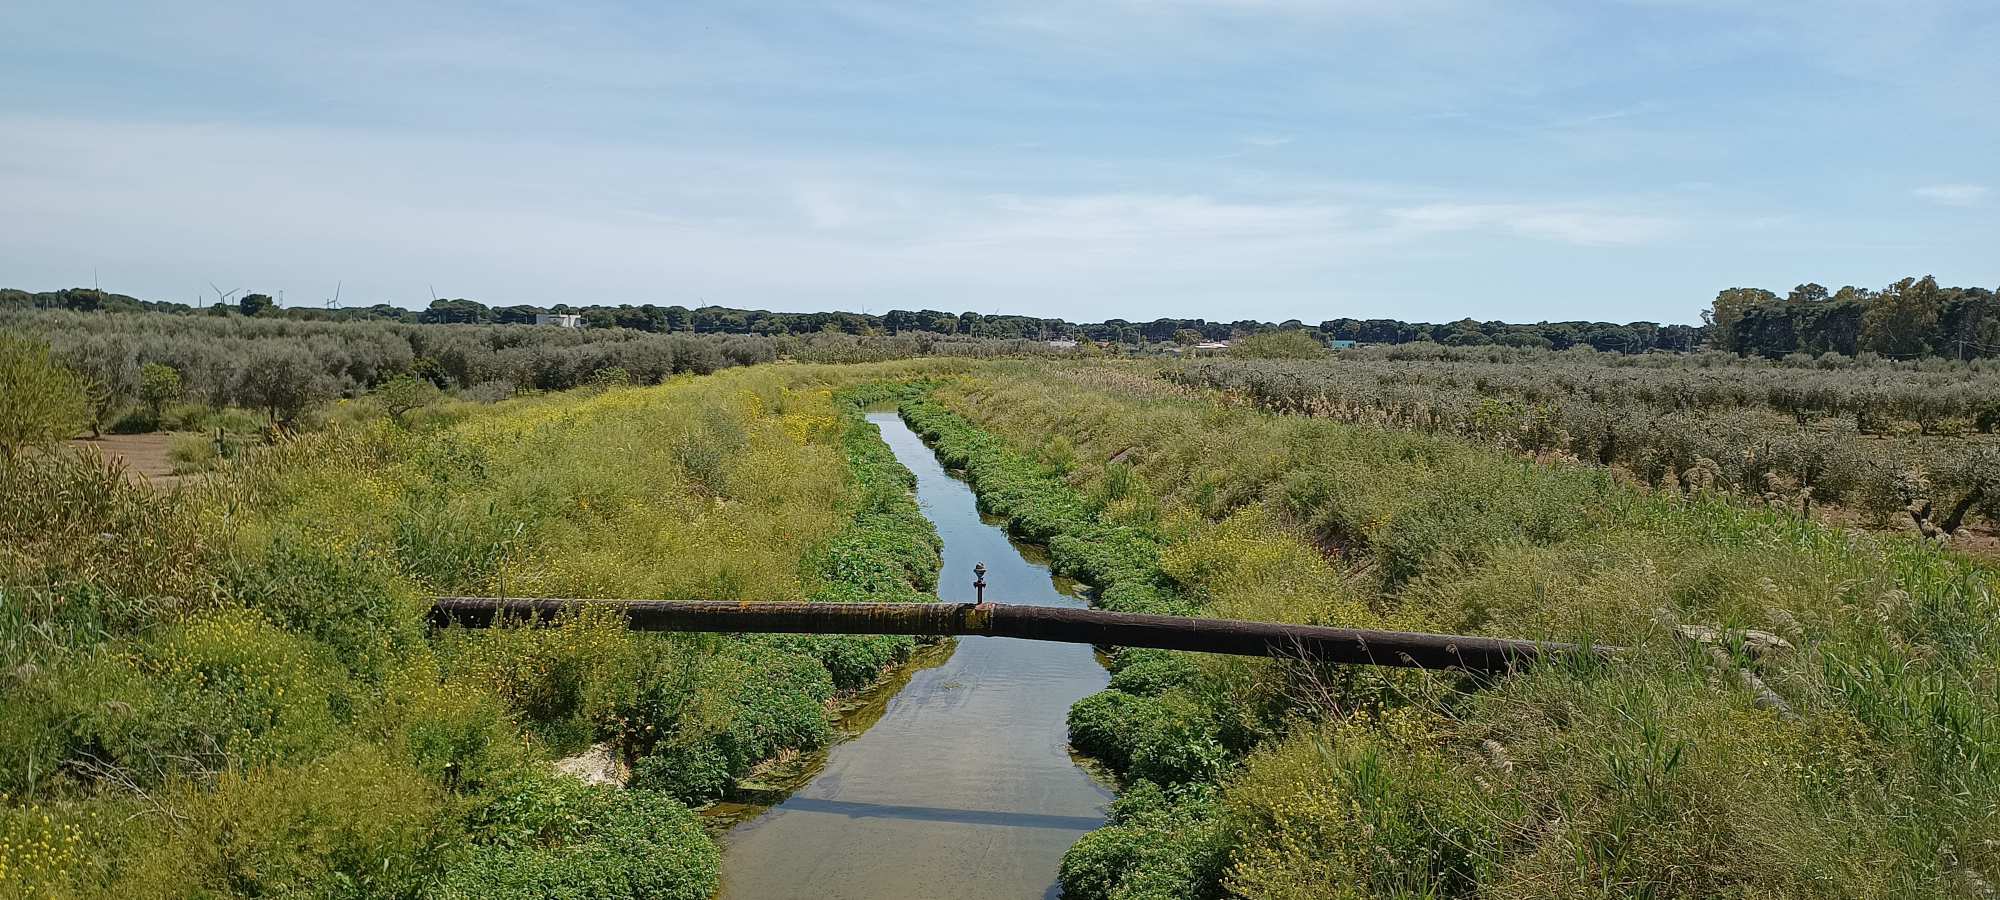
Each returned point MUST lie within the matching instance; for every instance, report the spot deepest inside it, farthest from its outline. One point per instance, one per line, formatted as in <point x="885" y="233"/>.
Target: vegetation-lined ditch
<point x="965" y="778"/>
<point x="229" y="690"/>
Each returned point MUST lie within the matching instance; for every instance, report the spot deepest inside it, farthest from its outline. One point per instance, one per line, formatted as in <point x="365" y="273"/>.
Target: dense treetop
<point x="1912" y="318"/>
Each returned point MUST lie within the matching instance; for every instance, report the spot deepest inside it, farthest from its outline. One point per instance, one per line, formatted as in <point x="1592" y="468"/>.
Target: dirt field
<point x="144" y="456"/>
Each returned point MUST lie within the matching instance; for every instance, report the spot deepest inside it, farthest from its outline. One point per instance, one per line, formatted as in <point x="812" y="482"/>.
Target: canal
<point x="964" y="787"/>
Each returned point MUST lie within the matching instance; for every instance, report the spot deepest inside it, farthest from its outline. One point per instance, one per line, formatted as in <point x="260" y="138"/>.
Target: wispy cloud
<point x="1953" y="194"/>
<point x="1571" y="224"/>
<point x="786" y="231"/>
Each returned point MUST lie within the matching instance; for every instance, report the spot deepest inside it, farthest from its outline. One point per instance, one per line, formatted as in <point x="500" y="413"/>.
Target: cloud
<point x="1953" y="194"/>
<point x="518" y="221"/>
<point x="1572" y="224"/>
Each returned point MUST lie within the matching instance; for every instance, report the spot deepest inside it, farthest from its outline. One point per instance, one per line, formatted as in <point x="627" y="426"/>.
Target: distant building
<point x="1063" y="344"/>
<point x="559" y="320"/>
<point x="1341" y="345"/>
<point x="1212" y="345"/>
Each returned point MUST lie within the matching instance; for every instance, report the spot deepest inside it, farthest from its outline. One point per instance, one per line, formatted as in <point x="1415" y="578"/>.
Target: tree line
<point x="1633" y="337"/>
<point x="1910" y="319"/>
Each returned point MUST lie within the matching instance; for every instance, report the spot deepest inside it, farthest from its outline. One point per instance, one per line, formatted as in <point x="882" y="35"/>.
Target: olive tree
<point x="40" y="401"/>
<point x="1968" y="482"/>
<point x="284" y="381"/>
<point x="405" y="394"/>
<point x="109" y="366"/>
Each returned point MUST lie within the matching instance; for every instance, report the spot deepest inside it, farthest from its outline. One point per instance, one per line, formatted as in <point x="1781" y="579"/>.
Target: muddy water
<point x="964" y="788"/>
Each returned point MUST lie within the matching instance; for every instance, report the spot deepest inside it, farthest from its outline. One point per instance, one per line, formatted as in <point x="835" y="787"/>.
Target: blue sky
<point x="1272" y="159"/>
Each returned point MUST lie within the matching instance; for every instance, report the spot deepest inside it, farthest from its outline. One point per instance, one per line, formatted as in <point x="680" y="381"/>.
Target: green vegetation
<point x="556" y="839"/>
<point x="1912" y="318"/>
<point x="45" y="402"/>
<point x="1278" y="345"/>
<point x="937" y="333"/>
<point x="1909" y="447"/>
<point x="1672" y="773"/>
<point x="231" y="690"/>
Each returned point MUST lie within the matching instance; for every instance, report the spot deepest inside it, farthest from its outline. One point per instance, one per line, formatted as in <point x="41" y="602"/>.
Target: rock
<point x="597" y="765"/>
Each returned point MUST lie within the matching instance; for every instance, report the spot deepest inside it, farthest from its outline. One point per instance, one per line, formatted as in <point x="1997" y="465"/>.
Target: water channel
<point x="964" y="788"/>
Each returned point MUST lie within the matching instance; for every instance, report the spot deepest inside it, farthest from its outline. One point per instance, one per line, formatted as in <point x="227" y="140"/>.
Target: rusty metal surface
<point x="1040" y="623"/>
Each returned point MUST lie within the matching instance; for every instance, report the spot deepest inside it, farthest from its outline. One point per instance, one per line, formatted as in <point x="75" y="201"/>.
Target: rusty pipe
<point x="1353" y="646"/>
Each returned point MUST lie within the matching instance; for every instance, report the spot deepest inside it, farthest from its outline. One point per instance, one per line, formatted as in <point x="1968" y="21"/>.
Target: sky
<point x="1086" y="159"/>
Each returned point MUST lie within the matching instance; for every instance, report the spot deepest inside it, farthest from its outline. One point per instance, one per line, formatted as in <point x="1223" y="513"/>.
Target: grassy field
<point x="1668" y="774"/>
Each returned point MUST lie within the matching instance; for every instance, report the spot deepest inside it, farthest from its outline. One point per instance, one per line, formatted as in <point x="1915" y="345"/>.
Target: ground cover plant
<point x="230" y="689"/>
<point x="1804" y="712"/>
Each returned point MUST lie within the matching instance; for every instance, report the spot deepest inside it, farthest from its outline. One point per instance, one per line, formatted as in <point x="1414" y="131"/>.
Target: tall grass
<point x="1668" y="774"/>
<point x="229" y="690"/>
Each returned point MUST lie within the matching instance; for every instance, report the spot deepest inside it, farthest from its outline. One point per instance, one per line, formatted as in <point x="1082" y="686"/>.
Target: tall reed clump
<point x="1803" y="712"/>
<point x="230" y="689"/>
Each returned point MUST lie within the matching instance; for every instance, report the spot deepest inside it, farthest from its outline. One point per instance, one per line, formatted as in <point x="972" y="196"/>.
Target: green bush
<point x="40" y="402"/>
<point x="778" y="703"/>
<point x="694" y="774"/>
<point x="1112" y="725"/>
<point x="558" y="840"/>
<point x="1150" y="673"/>
<point x="1156" y="846"/>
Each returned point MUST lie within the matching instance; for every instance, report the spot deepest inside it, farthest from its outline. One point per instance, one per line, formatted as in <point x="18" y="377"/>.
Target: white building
<point x="560" y="320"/>
<point x="1063" y="344"/>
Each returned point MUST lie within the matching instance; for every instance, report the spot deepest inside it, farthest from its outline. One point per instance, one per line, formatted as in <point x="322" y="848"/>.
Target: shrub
<point x="694" y="774"/>
<point x="456" y="734"/>
<point x="405" y="394"/>
<point x="1112" y="726"/>
<point x="40" y="402"/>
<point x="1158" y="845"/>
<point x="159" y="385"/>
<point x="355" y="824"/>
<point x="193" y="452"/>
<point x="108" y="366"/>
<point x="558" y="840"/>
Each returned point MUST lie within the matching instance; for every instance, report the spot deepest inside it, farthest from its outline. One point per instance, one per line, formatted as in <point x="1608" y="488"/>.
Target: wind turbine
<point x="334" y="302"/>
<point x="220" y="297"/>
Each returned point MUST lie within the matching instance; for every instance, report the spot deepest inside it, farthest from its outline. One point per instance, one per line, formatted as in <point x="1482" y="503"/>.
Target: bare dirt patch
<point x="144" y="456"/>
